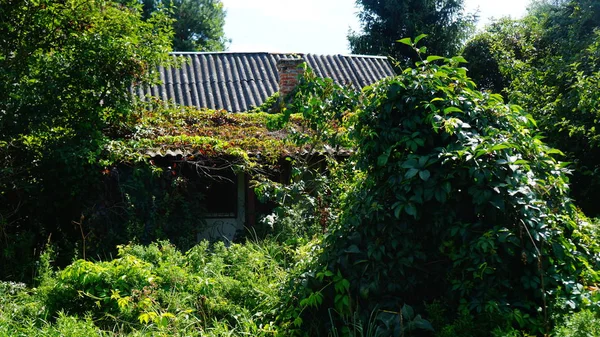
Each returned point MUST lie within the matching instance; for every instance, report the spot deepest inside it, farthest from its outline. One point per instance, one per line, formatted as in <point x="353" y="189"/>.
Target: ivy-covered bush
<point x="457" y="201"/>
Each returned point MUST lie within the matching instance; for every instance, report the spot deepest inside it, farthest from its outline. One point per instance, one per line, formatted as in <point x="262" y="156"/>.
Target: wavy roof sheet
<point x="239" y="81"/>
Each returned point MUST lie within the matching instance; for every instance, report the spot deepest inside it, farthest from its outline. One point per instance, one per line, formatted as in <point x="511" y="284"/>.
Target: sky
<point x="317" y="26"/>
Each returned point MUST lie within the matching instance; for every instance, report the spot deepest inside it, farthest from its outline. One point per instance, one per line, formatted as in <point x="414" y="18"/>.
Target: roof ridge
<point x="271" y="53"/>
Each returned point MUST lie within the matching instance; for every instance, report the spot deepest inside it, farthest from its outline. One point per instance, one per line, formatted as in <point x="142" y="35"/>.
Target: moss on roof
<point x="251" y="137"/>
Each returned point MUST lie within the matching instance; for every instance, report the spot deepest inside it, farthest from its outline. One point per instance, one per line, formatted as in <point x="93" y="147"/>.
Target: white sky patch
<point x="318" y="26"/>
<point x="308" y="26"/>
<point x="298" y="11"/>
<point x="495" y="9"/>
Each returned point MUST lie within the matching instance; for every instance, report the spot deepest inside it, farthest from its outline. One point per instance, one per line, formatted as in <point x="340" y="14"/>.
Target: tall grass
<point x="155" y="290"/>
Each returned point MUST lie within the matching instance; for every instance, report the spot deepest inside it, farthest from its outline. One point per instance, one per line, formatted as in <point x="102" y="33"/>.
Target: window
<point x="220" y="195"/>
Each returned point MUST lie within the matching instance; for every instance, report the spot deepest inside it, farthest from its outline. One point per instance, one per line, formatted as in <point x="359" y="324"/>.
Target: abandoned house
<point x="236" y="83"/>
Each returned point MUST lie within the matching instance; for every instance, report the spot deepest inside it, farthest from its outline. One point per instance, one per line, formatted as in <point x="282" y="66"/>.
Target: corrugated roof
<point x="239" y="81"/>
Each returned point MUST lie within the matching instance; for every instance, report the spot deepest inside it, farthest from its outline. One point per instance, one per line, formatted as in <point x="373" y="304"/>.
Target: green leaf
<point x="459" y="59"/>
<point x="144" y="318"/>
<point x="440" y="195"/>
<point x="424" y="175"/>
<point x="498" y="203"/>
<point x="418" y="38"/>
<point x="446" y="186"/>
<point x="398" y="207"/>
<point x="432" y="58"/>
<point x="407" y="41"/>
<point x="499" y="147"/>
<point x="555" y="151"/>
<point x="407" y="312"/>
<point x="346" y="284"/>
<point x="411" y="163"/>
<point x="422" y="324"/>
<point x="411" y="210"/>
<point x="352" y="249"/>
<point x="531" y="120"/>
<point x="383" y="159"/>
<point x="411" y="173"/>
<point x="452" y="109"/>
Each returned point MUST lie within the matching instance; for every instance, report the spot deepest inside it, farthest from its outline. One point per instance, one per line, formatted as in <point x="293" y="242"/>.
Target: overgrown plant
<point x="66" y="68"/>
<point x="549" y="62"/>
<point x="326" y="108"/>
<point x="322" y="113"/>
<point x="156" y="290"/>
<point x="458" y="201"/>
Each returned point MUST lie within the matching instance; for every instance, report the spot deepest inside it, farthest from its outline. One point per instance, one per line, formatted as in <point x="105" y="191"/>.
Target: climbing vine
<point x="457" y="201"/>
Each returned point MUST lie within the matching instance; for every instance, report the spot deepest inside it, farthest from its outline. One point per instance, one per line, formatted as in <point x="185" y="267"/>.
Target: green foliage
<point x="19" y="311"/>
<point x="458" y="201"/>
<point x="582" y="324"/>
<point x="499" y="53"/>
<point x="65" y="71"/>
<point x="139" y="195"/>
<point x="198" y="24"/>
<point x="300" y="212"/>
<point x="248" y="139"/>
<point x="383" y="22"/>
<point x="326" y="109"/>
<point x="318" y="118"/>
<point x="379" y="324"/>
<point x="451" y="197"/>
<point x="146" y="203"/>
<point x="449" y="201"/>
<point x="157" y="291"/>
<point x="161" y="197"/>
<point x="548" y="62"/>
<point x="270" y="105"/>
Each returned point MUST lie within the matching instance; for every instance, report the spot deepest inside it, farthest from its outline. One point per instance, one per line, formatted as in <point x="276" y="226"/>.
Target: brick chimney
<point x="289" y="73"/>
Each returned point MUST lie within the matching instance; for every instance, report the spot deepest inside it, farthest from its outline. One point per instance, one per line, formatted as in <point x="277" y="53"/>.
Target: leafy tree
<point x="198" y="24"/>
<point x="384" y="22"/>
<point x="512" y="41"/>
<point x="65" y="72"/>
<point x="549" y="63"/>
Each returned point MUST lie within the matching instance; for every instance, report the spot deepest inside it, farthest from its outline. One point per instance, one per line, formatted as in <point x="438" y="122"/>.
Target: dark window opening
<point x="220" y="195"/>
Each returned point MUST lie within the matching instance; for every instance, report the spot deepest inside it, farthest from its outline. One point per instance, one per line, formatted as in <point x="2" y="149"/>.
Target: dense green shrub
<point x="458" y="201"/>
<point x="582" y="324"/>
<point x="66" y="68"/>
<point x="156" y="290"/>
<point x="452" y="216"/>
<point x="549" y="63"/>
<point x="146" y="202"/>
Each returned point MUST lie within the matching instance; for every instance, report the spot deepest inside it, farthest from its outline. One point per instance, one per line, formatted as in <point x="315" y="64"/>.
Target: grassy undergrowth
<point x="211" y="290"/>
<point x="155" y="290"/>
